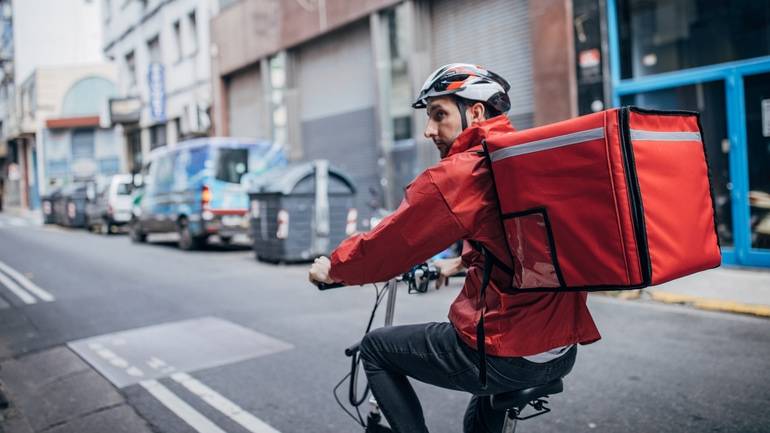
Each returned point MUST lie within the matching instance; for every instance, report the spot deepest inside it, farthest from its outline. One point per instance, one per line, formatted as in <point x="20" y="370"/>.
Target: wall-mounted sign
<point x="125" y="110"/>
<point x="156" y="79"/>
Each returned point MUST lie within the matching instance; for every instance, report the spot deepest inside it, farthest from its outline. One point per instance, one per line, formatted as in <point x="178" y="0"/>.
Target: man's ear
<point x="478" y="112"/>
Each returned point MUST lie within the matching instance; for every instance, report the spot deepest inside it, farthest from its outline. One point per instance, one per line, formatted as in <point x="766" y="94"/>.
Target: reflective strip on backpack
<point x="588" y="135"/>
<point x="637" y="134"/>
<point x="548" y="143"/>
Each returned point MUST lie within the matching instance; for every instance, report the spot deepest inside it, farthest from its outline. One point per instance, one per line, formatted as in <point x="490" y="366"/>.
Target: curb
<point x="710" y="304"/>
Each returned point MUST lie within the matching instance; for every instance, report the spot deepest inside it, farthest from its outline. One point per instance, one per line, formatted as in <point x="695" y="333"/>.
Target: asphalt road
<point x="658" y="368"/>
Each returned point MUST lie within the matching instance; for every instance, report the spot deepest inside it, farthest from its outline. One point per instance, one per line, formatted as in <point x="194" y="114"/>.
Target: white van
<point x="109" y="208"/>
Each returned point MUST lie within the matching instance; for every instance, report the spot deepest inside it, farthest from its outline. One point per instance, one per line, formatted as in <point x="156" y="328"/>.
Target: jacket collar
<point x="476" y="133"/>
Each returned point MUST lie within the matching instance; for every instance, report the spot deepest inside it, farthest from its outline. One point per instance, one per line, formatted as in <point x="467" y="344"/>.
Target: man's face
<point x="444" y="123"/>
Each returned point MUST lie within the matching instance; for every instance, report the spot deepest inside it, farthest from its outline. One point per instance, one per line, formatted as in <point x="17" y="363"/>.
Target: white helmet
<point x="466" y="81"/>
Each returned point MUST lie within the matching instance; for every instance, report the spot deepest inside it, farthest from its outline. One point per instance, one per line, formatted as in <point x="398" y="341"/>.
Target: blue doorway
<point x="733" y="98"/>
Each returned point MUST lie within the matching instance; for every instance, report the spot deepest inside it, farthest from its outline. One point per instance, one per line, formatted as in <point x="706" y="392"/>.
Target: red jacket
<point x="455" y="199"/>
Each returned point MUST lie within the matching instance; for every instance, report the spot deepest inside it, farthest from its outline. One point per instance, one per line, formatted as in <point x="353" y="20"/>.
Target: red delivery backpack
<point x="618" y="199"/>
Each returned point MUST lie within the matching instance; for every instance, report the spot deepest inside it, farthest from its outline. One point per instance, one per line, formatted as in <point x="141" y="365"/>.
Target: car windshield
<point x="124" y="189"/>
<point x="232" y="164"/>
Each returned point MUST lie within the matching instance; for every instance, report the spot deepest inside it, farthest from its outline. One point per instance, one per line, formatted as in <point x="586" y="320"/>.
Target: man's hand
<point x="319" y="272"/>
<point x="447" y="268"/>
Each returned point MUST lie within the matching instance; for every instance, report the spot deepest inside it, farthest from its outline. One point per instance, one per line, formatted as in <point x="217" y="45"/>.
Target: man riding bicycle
<point x="495" y="341"/>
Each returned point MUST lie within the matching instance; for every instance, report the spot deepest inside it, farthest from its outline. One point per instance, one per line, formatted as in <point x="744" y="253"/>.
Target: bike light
<point x="283" y="224"/>
<point x="352" y="221"/>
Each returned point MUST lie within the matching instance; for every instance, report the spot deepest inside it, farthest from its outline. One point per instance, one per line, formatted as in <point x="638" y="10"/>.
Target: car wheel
<point x="136" y="233"/>
<point x="188" y="241"/>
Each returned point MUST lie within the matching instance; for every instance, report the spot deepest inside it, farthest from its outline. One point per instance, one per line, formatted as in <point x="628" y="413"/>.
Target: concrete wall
<point x="248" y="30"/>
<point x="553" y="61"/>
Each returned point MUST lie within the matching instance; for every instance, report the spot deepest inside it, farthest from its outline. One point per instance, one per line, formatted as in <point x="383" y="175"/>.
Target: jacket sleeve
<point x="422" y="226"/>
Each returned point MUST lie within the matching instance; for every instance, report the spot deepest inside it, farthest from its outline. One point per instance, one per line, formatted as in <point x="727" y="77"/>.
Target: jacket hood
<point x="476" y="133"/>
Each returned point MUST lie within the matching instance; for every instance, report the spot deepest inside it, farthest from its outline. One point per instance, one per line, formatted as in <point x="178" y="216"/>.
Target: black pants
<point x="432" y="353"/>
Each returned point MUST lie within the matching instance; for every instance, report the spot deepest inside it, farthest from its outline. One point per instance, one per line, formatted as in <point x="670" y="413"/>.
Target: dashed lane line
<point x="222" y="404"/>
<point x="16" y="289"/>
<point x="180" y="408"/>
<point x="29" y="285"/>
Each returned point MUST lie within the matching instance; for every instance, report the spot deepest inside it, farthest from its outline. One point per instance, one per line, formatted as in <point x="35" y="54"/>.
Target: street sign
<point x="156" y="79"/>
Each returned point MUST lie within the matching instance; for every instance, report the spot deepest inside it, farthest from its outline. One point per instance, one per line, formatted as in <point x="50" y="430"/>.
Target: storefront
<point x="713" y="57"/>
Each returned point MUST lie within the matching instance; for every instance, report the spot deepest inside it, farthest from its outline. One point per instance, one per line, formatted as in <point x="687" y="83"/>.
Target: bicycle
<point x="418" y="279"/>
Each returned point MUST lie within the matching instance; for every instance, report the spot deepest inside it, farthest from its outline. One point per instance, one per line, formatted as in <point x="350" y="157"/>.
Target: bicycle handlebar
<point x="327" y="286"/>
<point x="417" y="278"/>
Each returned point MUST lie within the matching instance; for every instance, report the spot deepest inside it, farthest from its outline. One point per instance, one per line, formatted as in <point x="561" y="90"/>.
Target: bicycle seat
<point x="519" y="398"/>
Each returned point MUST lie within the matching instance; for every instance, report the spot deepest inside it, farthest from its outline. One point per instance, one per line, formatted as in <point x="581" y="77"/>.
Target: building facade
<point x="702" y="55"/>
<point x="335" y="79"/>
<point x="162" y="51"/>
<point x="55" y="87"/>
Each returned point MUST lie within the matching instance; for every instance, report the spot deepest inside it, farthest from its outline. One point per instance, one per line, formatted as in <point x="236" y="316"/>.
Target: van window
<point x="164" y="173"/>
<point x="232" y="164"/>
<point x="124" y="189"/>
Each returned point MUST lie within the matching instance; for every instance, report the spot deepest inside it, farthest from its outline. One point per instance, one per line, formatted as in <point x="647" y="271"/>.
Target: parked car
<point x="109" y="206"/>
<point x="195" y="189"/>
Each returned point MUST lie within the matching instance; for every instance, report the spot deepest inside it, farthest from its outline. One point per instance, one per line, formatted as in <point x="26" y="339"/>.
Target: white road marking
<point x="156" y="363"/>
<point x="134" y="372"/>
<point x="227" y="407"/>
<point x="106" y="353"/>
<point x="94" y="346"/>
<point x="24" y="281"/>
<point x="181" y="409"/>
<point x="16" y="289"/>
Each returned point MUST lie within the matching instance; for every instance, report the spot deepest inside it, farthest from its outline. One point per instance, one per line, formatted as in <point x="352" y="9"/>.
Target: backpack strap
<point x="488" y="255"/>
<point x="480" y="335"/>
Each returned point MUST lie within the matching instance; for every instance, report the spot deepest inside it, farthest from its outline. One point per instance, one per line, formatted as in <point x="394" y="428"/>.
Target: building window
<point x="157" y="136"/>
<point x="58" y="167"/>
<point x="153" y="49"/>
<point x="83" y="143"/>
<point x="109" y="166"/>
<point x="131" y="68"/>
<point x="668" y="35"/>
<point x="178" y="40"/>
<point x="193" y="20"/>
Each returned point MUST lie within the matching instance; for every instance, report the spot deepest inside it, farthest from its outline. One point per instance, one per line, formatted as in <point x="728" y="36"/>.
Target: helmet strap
<point x="461" y="106"/>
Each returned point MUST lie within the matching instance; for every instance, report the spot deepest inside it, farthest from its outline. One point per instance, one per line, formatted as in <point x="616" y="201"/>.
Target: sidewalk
<point x="33" y="216"/>
<point x="728" y="289"/>
<point x="54" y="391"/>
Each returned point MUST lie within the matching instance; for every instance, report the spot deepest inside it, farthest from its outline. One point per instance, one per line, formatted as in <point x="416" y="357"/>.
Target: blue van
<point x="195" y="189"/>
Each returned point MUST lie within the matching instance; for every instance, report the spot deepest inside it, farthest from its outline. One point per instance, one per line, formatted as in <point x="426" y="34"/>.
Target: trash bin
<point x="300" y="211"/>
<point x="47" y="203"/>
<point x="74" y="198"/>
